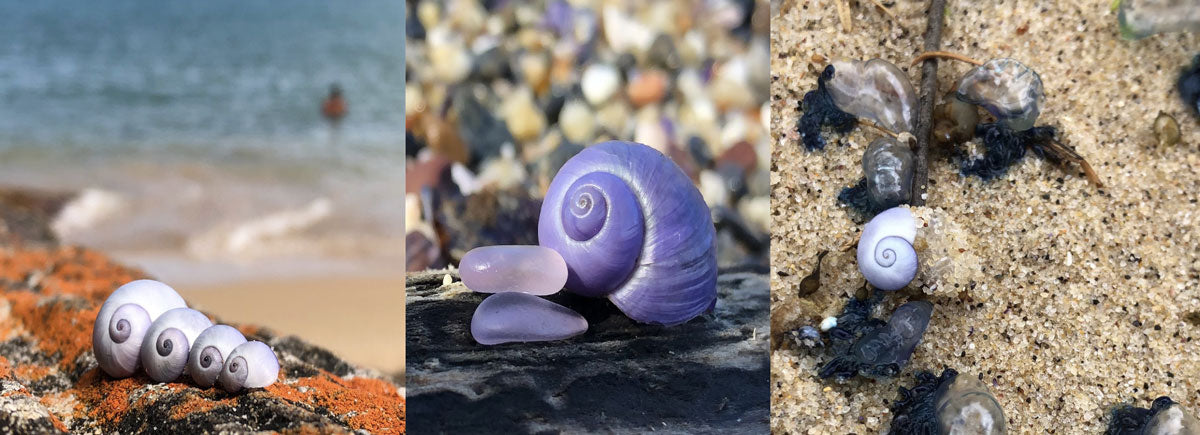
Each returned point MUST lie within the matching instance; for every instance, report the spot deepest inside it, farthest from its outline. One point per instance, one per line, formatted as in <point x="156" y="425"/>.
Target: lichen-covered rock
<point x="50" y="381"/>
<point x="706" y="375"/>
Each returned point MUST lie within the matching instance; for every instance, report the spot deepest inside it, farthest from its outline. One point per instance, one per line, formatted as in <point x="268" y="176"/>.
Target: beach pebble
<point x="482" y="132"/>
<point x="700" y="151"/>
<point x="531" y="269"/>
<point x="421" y="253"/>
<point x="741" y="154"/>
<point x="490" y="65"/>
<point x="535" y="68"/>
<point x="577" y="121"/>
<point x="519" y="317"/>
<point x="663" y="54"/>
<point x="600" y="82"/>
<point x="650" y="131"/>
<point x="647" y="87"/>
<point x="523" y="118"/>
<point x="712" y="188"/>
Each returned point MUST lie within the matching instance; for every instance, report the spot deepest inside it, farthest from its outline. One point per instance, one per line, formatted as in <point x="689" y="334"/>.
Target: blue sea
<point x="192" y="131"/>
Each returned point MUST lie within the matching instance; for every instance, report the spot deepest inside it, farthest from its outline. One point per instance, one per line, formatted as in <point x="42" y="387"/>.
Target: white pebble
<point x="828" y="323"/>
<point x="600" y="82"/>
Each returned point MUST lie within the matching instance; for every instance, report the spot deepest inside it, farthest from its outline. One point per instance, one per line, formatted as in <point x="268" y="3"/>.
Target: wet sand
<point x="1067" y="299"/>
<point x="360" y="319"/>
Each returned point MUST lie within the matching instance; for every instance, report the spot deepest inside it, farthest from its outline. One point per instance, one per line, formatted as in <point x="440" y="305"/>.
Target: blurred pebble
<point x="712" y="188"/>
<point x="492" y="64"/>
<point x="524" y="120"/>
<point x="421" y="253"/>
<point x="483" y="133"/>
<point x="700" y="151"/>
<point x="577" y="121"/>
<point x="600" y="83"/>
<point x="424" y="173"/>
<point x="663" y="55"/>
<point x="741" y="154"/>
<point x="487" y="218"/>
<point x="648" y="87"/>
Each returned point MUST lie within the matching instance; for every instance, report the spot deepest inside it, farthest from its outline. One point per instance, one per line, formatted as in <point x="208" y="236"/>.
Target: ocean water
<point x="193" y="135"/>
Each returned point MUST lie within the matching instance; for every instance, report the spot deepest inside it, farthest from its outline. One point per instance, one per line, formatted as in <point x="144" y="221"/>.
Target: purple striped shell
<point x="633" y="228"/>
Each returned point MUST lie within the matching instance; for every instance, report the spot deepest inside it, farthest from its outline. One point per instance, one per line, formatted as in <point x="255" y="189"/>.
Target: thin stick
<point x="933" y="38"/>
<point x="843" y="8"/>
<point x="945" y="55"/>
<point x="1073" y="156"/>
<point x="887" y="12"/>
<point x="873" y="125"/>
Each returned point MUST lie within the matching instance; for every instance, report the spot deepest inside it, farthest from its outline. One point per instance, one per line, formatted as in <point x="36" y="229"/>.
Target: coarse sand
<point x="1065" y="298"/>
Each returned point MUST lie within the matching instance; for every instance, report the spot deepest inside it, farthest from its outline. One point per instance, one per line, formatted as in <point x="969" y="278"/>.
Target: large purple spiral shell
<point x="633" y="228"/>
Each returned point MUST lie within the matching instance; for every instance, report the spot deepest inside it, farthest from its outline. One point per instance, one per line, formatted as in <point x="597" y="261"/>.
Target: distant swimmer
<point x="334" y="107"/>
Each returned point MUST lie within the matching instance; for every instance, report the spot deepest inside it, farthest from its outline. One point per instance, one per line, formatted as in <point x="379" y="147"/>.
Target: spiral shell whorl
<point x="167" y="344"/>
<point x="886" y="256"/>
<point x="207" y="356"/>
<point x="251" y="365"/>
<point x="654" y="254"/>
<point x="123" y="320"/>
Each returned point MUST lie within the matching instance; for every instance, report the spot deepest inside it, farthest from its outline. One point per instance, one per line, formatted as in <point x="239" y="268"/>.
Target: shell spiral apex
<point x="632" y="227"/>
<point x="166" y="346"/>
<point x="207" y="355"/>
<point x="123" y="320"/>
<point x="886" y="256"/>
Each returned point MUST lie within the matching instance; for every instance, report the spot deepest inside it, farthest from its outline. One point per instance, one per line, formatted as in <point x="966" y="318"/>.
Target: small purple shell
<point x="633" y="228"/>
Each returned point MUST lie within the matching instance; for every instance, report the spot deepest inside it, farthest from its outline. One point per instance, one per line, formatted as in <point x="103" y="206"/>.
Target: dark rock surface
<point x="707" y="375"/>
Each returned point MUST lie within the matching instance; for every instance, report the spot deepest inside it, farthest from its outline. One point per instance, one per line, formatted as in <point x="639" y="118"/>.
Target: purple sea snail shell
<point x="167" y="343"/>
<point x="208" y="354"/>
<point x="123" y="321"/>
<point x="251" y="365"/>
<point x="633" y="228"/>
<point x="886" y="256"/>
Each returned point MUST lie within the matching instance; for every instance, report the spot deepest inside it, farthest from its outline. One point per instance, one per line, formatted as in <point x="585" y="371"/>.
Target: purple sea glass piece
<point x="519" y="317"/>
<point x="513" y="268"/>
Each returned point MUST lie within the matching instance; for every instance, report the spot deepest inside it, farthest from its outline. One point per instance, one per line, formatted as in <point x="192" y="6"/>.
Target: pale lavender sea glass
<point x="519" y="317"/>
<point x="534" y="270"/>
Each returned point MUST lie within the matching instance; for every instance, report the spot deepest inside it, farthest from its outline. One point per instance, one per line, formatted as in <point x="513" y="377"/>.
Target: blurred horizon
<point x="193" y="137"/>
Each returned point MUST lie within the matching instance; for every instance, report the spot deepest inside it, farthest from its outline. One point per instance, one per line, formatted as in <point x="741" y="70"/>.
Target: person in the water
<point x="334" y="107"/>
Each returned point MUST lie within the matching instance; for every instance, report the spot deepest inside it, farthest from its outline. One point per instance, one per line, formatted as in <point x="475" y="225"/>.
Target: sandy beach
<point x="1066" y="299"/>
<point x="359" y="318"/>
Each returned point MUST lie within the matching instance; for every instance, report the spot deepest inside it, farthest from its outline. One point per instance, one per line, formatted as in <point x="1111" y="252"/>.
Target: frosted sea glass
<point x="534" y="270"/>
<point x="519" y="317"/>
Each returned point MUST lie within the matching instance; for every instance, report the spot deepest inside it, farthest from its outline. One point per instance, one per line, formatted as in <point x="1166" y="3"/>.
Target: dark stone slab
<point x="707" y="375"/>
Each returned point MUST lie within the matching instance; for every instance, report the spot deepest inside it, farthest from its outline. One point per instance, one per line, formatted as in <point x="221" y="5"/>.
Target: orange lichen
<point x="102" y="398"/>
<point x="5" y="368"/>
<point x="375" y="404"/>
<point x="60" y="329"/>
<point x="31" y="372"/>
